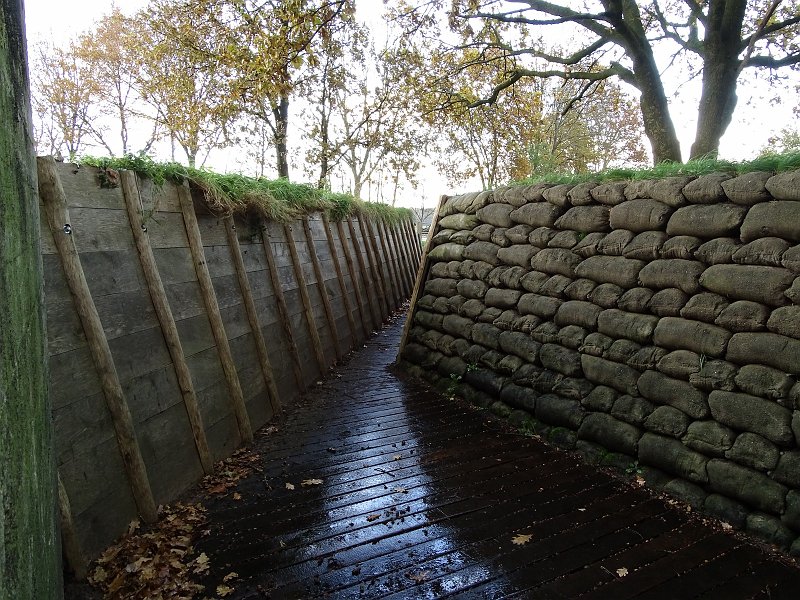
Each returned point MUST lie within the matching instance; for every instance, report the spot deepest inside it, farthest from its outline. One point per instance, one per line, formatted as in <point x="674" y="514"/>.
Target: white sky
<point x="754" y="120"/>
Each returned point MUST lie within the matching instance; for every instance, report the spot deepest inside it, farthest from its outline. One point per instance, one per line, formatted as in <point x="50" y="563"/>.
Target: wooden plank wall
<point x="157" y="300"/>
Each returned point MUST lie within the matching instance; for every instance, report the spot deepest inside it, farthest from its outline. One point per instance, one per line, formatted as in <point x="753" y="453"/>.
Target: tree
<point x="720" y="38"/>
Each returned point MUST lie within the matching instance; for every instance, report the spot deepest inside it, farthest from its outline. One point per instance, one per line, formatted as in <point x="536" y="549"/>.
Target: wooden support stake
<point x="316" y="344"/>
<point x="401" y="233"/>
<point x="55" y="207"/>
<point x="374" y="265"/>
<point x="283" y="310"/>
<point x="214" y="316"/>
<point x="413" y="240"/>
<point x="69" y="535"/>
<point x="402" y="259"/>
<point x="364" y="311"/>
<point x="323" y="291"/>
<point x="348" y="307"/>
<point x="386" y="230"/>
<point x="382" y="242"/>
<point x="155" y="286"/>
<point x="369" y="286"/>
<point x="422" y="273"/>
<point x="252" y="314"/>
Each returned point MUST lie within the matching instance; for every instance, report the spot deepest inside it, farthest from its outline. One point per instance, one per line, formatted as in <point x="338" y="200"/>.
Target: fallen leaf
<point x="400" y="490"/>
<point x="396" y="457"/>
<point x="237" y="496"/>
<point x="229" y="576"/>
<point x="373" y="517"/>
<point x="622" y="572"/>
<point x="581" y="510"/>
<point x="311" y="482"/>
<point x="418" y="577"/>
<point x="224" y="590"/>
<point x="521" y="539"/>
<point x="289" y="486"/>
<point x="726" y="526"/>
<point x="133" y="526"/>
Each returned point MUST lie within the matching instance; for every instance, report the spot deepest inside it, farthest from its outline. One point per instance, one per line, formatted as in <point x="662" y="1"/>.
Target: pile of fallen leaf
<point x="228" y="472"/>
<point x="158" y="562"/>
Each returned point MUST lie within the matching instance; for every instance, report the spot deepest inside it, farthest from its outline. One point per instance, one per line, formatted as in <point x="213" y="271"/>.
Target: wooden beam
<point x="323" y="291"/>
<point x="422" y="273"/>
<point x="374" y="265"/>
<point x="382" y="246"/>
<point x="413" y="239"/>
<point x="405" y="258"/>
<point x="70" y="545"/>
<point x="394" y="261"/>
<point x="364" y="311"/>
<point x="252" y="314"/>
<point x="369" y="286"/>
<point x="302" y="286"/>
<point x="55" y="207"/>
<point x="214" y="317"/>
<point x="158" y="296"/>
<point x="283" y="310"/>
<point x="348" y="306"/>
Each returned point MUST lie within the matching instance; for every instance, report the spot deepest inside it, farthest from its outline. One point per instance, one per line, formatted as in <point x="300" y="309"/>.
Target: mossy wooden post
<point x="73" y="554"/>
<point x="422" y="273"/>
<point x="405" y="259"/>
<point x="155" y="287"/>
<point x="323" y="291"/>
<point x="55" y="207"/>
<point x="377" y="276"/>
<point x="363" y="309"/>
<point x="214" y="316"/>
<point x="372" y="301"/>
<point x="283" y="310"/>
<point x="252" y="314"/>
<point x="302" y="287"/>
<point x="348" y="307"/>
<point x="29" y="552"/>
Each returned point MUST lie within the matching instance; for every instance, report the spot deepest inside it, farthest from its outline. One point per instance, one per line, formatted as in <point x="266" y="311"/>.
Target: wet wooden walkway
<point x="399" y="493"/>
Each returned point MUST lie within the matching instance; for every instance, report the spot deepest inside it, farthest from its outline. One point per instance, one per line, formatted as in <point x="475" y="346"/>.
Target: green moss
<point x="278" y="200"/>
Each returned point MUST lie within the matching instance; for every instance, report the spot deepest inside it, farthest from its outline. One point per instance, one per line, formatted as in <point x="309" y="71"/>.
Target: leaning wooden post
<point x="302" y="286"/>
<point x="214" y="316"/>
<point x="393" y="261"/>
<point x="413" y="240"/>
<point x="69" y="535"/>
<point x="374" y="267"/>
<point x="252" y="314"/>
<point x="405" y="264"/>
<point x="283" y="310"/>
<point x="364" y="309"/>
<point x="155" y="286"/>
<point x="55" y="207"/>
<point x="382" y="251"/>
<point x="422" y="273"/>
<point x="348" y="307"/>
<point x="323" y="291"/>
<point x="369" y="286"/>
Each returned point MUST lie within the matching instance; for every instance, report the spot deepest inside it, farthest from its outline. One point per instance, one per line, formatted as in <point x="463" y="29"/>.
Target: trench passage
<point x="411" y="495"/>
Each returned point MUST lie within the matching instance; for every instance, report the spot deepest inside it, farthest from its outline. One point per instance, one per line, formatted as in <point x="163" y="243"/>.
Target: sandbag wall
<point x="652" y="325"/>
<point x="175" y="333"/>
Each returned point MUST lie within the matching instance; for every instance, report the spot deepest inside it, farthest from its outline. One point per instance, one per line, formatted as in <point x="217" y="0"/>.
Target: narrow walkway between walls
<point x="376" y="486"/>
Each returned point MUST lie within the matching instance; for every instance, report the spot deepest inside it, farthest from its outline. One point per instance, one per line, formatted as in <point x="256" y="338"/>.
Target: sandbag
<point x="714" y="375"/>
<point x="500" y="298"/>
<point x="621" y="351"/>
<point x="486" y="335"/>
<point x="442" y="237"/>
<point x="668" y="303"/>
<point x="645" y="246"/>
<point x="606" y="295"/>
<point x="576" y="312"/>
<point x="748" y="189"/>
<point x="483" y="232"/>
<point x="674" y="273"/>
<point x="596" y="344"/>
<point x="793" y="293"/>
<point x="558" y="194"/>
<point x="680" y="364"/>
<point x="766" y="251"/>
<point x="472" y="309"/>
<point x="709" y="437"/>
<point x="533" y="281"/>
<point x="751" y="413"/>
<point x="614" y="243"/>
<point x="573" y="388"/>
<point x="462" y="237"/>
<point x="706" y="189"/>
<point x="640" y="215"/>
<point x="520" y="344"/>
<point x="672" y="456"/>
<point x="493" y="279"/>
<point x="457" y="326"/>
<point x="635" y="300"/>
<point x="610" y="194"/>
<point x="704" y="307"/>
<point x="743" y="315"/>
<point x="669" y="190"/>
<point x="618" y="270"/>
<point x="667" y="420"/>
<point x="483" y="251"/>
<point x="770" y="349"/>
<point x="766" y="382"/>
<point x="707" y="220"/>
<point x="559" y="411"/>
<point x="677" y="393"/>
<point x="565" y="239"/>
<point x="604" y="372"/>
<point x="537" y="214"/>
<point x="560" y="359"/>
<point x="442" y="305"/>
<point x="518" y="234"/>
<point x="512" y="276"/>
<point x="717" y="252"/>
<point x="785" y="185"/>
<point x="507" y="320"/>
<point x="676" y="334"/>
<point x="472" y="289"/>
<point x="546" y="333"/>
<point x="746" y="282"/>
<point x="441" y="287"/>
<point x="791" y="259"/>
<point x="579" y="289"/>
<point x="459" y="221"/>
<point x="496" y="214"/>
<point x="446" y="252"/>
<point x="429" y="320"/>
<point x="517" y="254"/>
<point x="785" y="321"/>
<point x="555" y="286"/>
<point x="585" y="219"/>
<point x="588" y="245"/>
<point x="541" y="306"/>
<point x="555" y="261"/>
<point x="773" y="219"/>
<point x="620" y="324"/>
<point x="541" y="236"/>
<point x="646" y="358"/>
<point x="610" y="433"/>
<point x="681" y="247"/>
<point x="572" y="336"/>
<point x="499" y="237"/>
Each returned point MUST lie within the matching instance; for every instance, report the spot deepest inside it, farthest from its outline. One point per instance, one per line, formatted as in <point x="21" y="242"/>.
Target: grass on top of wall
<point x="277" y="199"/>
<point x="701" y="166"/>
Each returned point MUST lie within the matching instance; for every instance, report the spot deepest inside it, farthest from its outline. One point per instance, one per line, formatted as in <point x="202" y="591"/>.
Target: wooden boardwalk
<point x="408" y="495"/>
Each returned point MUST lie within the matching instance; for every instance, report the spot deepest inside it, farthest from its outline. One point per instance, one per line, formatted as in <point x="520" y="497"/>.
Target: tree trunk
<point x="29" y="540"/>
<point x="720" y="72"/>
<point x="280" y="112"/>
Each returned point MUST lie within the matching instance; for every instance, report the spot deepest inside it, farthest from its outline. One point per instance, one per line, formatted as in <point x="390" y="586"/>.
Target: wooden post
<point x="422" y="273"/>
<point x="374" y="266"/>
<point x="252" y="314"/>
<point x="394" y="263"/>
<point x="323" y="291"/>
<point x="214" y="316"/>
<point x="369" y="286"/>
<point x="405" y="259"/>
<point x="365" y="312"/>
<point x="316" y="344"/>
<point x="283" y="310"/>
<point x="340" y="278"/>
<point x="382" y="252"/>
<point x="413" y="240"/>
<point x="55" y="206"/>
<point x="155" y="286"/>
<point x="69" y="535"/>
